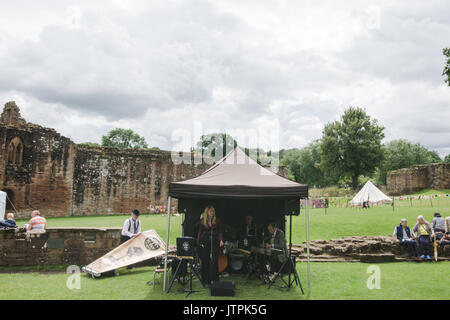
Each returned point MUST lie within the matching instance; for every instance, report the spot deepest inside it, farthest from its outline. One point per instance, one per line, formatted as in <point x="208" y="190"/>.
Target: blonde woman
<point x="424" y="231"/>
<point x="209" y="239"/>
<point x="447" y="224"/>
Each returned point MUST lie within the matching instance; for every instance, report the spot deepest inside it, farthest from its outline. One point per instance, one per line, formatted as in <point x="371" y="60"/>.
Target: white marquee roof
<point x="370" y="193"/>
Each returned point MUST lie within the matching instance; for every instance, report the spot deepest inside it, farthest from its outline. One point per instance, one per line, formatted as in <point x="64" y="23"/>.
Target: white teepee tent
<point x="370" y="193"/>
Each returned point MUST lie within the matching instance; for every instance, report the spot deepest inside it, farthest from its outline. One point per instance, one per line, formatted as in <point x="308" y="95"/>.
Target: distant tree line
<point x="349" y="152"/>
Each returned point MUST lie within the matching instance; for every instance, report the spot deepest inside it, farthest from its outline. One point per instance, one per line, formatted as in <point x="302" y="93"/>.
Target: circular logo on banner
<point x="152" y="244"/>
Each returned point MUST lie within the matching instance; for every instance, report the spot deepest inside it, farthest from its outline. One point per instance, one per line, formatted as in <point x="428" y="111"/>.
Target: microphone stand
<point x="211" y="266"/>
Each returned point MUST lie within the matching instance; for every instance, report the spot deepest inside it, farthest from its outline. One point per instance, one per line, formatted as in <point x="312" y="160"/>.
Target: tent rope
<point x="14" y="208"/>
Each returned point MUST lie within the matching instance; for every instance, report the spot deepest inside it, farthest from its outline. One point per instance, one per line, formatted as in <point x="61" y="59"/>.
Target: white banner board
<point x="146" y="246"/>
<point x="2" y="205"/>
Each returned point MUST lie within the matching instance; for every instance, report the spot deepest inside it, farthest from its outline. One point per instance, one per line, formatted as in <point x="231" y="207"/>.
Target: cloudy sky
<point x="158" y="67"/>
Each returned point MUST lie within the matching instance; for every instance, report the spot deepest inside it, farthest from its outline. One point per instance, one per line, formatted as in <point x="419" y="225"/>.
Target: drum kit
<point x="245" y="255"/>
<point x="233" y="256"/>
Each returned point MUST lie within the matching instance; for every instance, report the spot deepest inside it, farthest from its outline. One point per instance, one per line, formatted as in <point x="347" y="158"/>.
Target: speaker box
<point x="185" y="247"/>
<point x="222" y="289"/>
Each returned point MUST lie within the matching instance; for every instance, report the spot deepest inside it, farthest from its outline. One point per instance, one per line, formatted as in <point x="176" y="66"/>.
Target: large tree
<point x="446" y="71"/>
<point x="303" y="165"/>
<point x="352" y="146"/>
<point x="215" y="145"/>
<point x="402" y="153"/>
<point x="124" y="138"/>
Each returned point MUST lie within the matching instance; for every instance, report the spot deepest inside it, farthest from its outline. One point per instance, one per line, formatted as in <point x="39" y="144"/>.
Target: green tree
<point x="303" y="165"/>
<point x="446" y="71"/>
<point x="209" y="144"/>
<point x="352" y="146"/>
<point x="402" y="153"/>
<point x="125" y="139"/>
<point x="447" y="158"/>
<point x="90" y="144"/>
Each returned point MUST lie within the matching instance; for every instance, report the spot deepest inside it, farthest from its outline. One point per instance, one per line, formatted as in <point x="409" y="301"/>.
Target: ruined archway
<point x="15" y="152"/>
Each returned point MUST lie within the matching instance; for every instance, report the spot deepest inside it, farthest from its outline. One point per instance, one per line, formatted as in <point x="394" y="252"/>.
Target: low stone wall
<point x="74" y="246"/>
<point x="360" y="249"/>
<point x="81" y="246"/>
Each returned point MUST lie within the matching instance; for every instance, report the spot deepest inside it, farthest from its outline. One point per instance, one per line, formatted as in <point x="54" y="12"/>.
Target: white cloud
<point x="88" y="67"/>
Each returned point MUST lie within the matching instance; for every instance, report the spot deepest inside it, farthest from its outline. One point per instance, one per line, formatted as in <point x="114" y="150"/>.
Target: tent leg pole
<point x="308" y="256"/>
<point x="167" y="242"/>
<point x="290" y="245"/>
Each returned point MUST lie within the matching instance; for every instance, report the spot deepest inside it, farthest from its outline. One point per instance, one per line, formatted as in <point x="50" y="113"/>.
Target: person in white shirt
<point x="131" y="227"/>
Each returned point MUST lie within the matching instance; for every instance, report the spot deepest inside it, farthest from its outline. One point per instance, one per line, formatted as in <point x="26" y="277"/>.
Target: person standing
<point x="424" y="231"/>
<point x="131" y="227"/>
<point x="210" y="239"/>
<point x="403" y="236"/>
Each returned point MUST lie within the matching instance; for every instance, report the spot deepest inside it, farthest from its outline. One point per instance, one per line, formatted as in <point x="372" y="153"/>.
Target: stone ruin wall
<point x="67" y="246"/>
<point x="43" y="175"/>
<point x="60" y="178"/>
<point x="111" y="181"/>
<point x="81" y="246"/>
<point x="419" y="177"/>
<point x="369" y="249"/>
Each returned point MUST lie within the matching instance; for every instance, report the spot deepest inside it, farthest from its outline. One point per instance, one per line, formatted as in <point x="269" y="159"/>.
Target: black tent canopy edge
<point x="237" y="191"/>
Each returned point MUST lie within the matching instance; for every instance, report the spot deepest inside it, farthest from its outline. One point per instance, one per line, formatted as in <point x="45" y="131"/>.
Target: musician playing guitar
<point x="210" y="238"/>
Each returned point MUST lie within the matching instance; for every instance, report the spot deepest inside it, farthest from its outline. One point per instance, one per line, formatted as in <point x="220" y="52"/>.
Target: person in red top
<point x="36" y="222"/>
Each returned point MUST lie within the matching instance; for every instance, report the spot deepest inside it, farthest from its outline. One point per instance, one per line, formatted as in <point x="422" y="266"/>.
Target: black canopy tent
<point x="237" y="186"/>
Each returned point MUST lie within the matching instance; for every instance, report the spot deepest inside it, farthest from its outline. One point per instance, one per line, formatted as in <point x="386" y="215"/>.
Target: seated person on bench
<point x="9" y="222"/>
<point x="277" y="241"/>
<point x="438" y="225"/>
<point x="424" y="231"/>
<point x="37" y="222"/>
<point x="404" y="236"/>
<point x="445" y="239"/>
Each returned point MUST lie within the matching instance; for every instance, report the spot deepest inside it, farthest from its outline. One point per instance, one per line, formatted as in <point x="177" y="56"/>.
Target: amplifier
<point x="222" y="289"/>
<point x="185" y="247"/>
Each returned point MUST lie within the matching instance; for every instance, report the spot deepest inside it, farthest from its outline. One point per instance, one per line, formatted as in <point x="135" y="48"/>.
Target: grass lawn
<point x="328" y="280"/>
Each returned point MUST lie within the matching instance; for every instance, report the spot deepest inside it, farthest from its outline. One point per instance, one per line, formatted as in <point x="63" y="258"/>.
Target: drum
<point x="237" y="262"/>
